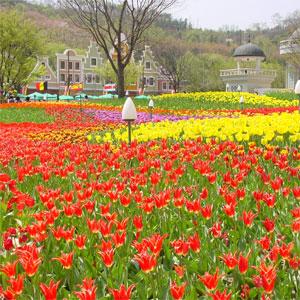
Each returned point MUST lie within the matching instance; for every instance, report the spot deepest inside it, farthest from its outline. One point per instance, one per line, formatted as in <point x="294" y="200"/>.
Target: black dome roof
<point x="248" y="50"/>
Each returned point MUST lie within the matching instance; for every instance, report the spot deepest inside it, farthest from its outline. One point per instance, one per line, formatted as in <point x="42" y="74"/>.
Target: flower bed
<point x="194" y="210"/>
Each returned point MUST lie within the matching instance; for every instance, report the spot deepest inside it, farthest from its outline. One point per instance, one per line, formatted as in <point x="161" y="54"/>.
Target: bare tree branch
<point x="108" y="21"/>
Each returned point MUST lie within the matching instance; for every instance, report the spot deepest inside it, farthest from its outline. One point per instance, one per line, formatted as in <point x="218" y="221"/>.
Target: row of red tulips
<point x="160" y="220"/>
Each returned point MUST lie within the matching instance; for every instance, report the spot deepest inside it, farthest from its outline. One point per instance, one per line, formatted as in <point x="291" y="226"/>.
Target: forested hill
<point x="58" y="29"/>
<point x="60" y="34"/>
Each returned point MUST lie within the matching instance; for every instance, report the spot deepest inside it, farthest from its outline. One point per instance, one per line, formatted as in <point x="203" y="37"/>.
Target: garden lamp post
<point x="227" y="87"/>
<point x="297" y="91"/>
<point x="129" y="115"/>
<point x="80" y="105"/>
<point x="151" y="105"/>
<point x="242" y="100"/>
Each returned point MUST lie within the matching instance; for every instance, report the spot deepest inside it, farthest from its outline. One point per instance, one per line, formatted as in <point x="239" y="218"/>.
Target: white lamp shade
<point x="239" y="88"/>
<point x="297" y="88"/>
<point x="242" y="99"/>
<point x="151" y="103"/>
<point x="129" y="110"/>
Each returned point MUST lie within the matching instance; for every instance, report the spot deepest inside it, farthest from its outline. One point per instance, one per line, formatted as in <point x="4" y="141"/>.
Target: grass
<point x="178" y="104"/>
<point x="18" y="115"/>
<point x="283" y="95"/>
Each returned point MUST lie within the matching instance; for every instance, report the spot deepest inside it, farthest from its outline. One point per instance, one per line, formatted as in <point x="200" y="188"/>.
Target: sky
<point x="214" y="14"/>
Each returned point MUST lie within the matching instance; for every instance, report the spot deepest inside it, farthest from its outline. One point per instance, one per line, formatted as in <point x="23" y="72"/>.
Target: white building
<point x="290" y="49"/>
<point x="248" y="73"/>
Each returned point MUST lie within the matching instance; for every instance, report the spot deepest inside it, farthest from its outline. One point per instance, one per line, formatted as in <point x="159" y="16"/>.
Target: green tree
<point x="204" y="71"/>
<point x="170" y="54"/>
<point x="131" y="75"/>
<point x="20" y="45"/>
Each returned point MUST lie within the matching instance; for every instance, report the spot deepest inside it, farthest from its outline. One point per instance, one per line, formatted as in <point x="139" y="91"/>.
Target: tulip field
<point x="204" y="203"/>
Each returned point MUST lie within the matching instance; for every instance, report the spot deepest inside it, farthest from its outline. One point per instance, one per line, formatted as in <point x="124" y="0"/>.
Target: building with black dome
<point x="248" y="75"/>
<point x="290" y="50"/>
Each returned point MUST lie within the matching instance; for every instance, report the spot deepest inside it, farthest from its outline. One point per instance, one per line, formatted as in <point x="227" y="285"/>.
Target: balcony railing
<point x="247" y="72"/>
<point x="289" y="46"/>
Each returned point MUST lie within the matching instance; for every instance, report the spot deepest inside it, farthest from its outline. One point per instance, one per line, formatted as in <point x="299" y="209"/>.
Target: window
<point x="93" y="62"/>
<point x="77" y="65"/>
<point x="77" y="79"/>
<point x="148" y="65"/>
<point x="170" y="86"/>
<point x="151" y="81"/>
<point x="70" y="65"/>
<point x="62" y="65"/>
<point x="89" y="78"/>
<point x="62" y="77"/>
<point x="164" y="86"/>
<point x="70" y="77"/>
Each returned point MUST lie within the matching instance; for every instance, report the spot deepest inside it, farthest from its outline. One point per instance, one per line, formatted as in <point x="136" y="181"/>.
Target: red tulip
<point x="230" y="260"/>
<point x="296" y="212"/>
<point x="121" y="226"/>
<point x="210" y="281"/>
<point x="267" y="276"/>
<point x="296" y="226"/>
<point x="265" y="242"/>
<point x="30" y="265"/>
<point x="248" y="217"/>
<point x="276" y="184"/>
<point x="212" y="177"/>
<point x="122" y="293"/>
<point x="296" y="192"/>
<point x="119" y="239"/>
<point x="220" y="296"/>
<point x="155" y="243"/>
<point x="273" y="253"/>
<point x="49" y="291"/>
<point x="269" y="199"/>
<point x="241" y="193"/>
<point x="180" y="270"/>
<point x="204" y="193"/>
<point x="285" y="250"/>
<point x="229" y="209"/>
<point x="80" y="241"/>
<point x="66" y="260"/>
<point x="17" y="284"/>
<point x="269" y="225"/>
<point x="94" y="225"/>
<point x="180" y="247"/>
<point x="8" y="294"/>
<point x="88" y="290"/>
<point x="9" y="269"/>
<point x="194" y="242"/>
<point x="107" y="257"/>
<point x="206" y="211"/>
<point x="138" y="222"/>
<point x="294" y="263"/>
<point x="146" y="261"/>
<point x="243" y="263"/>
<point x="216" y="230"/>
<point x="177" y="291"/>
